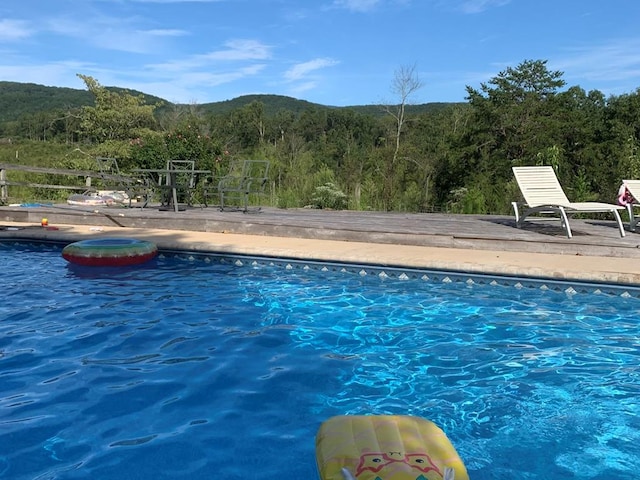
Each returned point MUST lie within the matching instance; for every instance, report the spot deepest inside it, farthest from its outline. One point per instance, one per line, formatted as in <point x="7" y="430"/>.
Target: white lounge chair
<point x="633" y="187"/>
<point x="543" y="194"/>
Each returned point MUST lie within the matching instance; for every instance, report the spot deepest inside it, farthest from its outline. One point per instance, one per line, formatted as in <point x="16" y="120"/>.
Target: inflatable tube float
<point x="94" y="199"/>
<point x="109" y="252"/>
<point x="89" y="200"/>
<point x="386" y="447"/>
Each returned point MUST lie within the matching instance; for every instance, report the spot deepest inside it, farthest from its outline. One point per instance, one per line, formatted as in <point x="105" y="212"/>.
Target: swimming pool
<point x="205" y="366"/>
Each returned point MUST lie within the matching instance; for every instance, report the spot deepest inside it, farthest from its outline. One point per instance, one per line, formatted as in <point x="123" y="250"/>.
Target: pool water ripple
<point x="200" y="366"/>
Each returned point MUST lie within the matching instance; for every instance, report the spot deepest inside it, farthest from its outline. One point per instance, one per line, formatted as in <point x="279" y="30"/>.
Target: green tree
<point x="513" y="121"/>
<point x="244" y="128"/>
<point x="116" y="116"/>
<point x="187" y="141"/>
<point x="513" y="108"/>
<point x="430" y="148"/>
<point x="576" y="150"/>
<point x="623" y="135"/>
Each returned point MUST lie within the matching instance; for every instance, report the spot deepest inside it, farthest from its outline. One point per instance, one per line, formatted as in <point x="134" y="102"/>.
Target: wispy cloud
<point x="478" y="6"/>
<point x="616" y="60"/>
<point x="238" y="59"/>
<point x="11" y="30"/>
<point x="213" y="79"/>
<point x="301" y="70"/>
<point x="234" y="51"/>
<point x="172" y="1"/>
<point x="51" y="73"/>
<point x="357" y="5"/>
<point x="464" y="6"/>
<point x="188" y="85"/>
<point x="165" y="33"/>
<point x="241" y="50"/>
<point x="301" y="78"/>
<point x="111" y="33"/>
<point x="199" y="78"/>
<point x="298" y="90"/>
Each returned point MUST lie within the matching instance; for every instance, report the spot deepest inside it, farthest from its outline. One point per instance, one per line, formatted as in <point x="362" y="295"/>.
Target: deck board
<point x="481" y="232"/>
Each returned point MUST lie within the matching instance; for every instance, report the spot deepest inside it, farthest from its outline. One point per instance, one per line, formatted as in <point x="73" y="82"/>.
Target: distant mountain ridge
<point x="17" y="99"/>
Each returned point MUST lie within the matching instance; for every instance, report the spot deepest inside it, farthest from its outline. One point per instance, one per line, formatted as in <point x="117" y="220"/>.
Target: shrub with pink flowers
<point x="182" y="143"/>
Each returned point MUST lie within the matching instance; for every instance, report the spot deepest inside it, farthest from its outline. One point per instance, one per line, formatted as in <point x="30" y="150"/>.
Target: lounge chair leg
<point x="632" y="218"/>
<point x="619" y="221"/>
<point x="565" y="222"/>
<point x="516" y="213"/>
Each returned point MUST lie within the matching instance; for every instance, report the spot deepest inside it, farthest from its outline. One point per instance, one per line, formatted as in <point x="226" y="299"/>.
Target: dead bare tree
<point x="405" y="83"/>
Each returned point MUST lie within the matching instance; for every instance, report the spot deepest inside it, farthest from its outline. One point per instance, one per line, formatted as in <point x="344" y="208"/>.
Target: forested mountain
<point x="18" y="99"/>
<point x="272" y="104"/>
<point x="275" y="103"/>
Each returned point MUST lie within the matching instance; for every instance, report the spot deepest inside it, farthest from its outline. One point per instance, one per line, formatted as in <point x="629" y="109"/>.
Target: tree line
<point x="456" y="158"/>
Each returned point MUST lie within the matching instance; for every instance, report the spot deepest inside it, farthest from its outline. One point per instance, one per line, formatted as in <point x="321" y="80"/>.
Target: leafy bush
<point x="329" y="196"/>
<point x="182" y="143"/>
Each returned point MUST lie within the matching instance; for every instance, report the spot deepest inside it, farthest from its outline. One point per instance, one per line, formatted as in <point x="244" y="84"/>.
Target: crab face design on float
<point x="385" y="447"/>
<point x="397" y="466"/>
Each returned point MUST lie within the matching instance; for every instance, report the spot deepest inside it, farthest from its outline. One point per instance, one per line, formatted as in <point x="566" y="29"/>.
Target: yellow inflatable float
<point x="386" y="447"/>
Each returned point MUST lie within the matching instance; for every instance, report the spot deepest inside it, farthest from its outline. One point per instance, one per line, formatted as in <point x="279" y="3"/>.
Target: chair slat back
<point x="540" y="186"/>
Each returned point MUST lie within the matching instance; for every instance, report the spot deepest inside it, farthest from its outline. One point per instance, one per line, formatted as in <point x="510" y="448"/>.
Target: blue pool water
<point x="215" y="367"/>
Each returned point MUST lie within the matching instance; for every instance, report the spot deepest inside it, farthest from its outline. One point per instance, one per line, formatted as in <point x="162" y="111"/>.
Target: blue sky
<point x="332" y="52"/>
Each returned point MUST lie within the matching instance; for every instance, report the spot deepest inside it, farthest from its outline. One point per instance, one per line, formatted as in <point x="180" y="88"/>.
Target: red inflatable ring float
<point x="109" y="252"/>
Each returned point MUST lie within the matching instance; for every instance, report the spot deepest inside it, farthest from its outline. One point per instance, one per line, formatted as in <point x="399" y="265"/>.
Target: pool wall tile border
<point x="569" y="287"/>
<point x="408" y="274"/>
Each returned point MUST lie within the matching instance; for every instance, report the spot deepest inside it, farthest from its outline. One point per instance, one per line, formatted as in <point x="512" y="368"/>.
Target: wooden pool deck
<point x="471" y="243"/>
